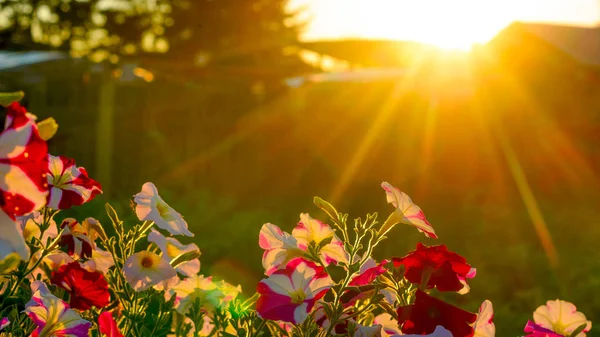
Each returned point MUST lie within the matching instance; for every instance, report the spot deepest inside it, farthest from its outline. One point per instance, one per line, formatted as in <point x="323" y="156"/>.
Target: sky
<point x="451" y="23"/>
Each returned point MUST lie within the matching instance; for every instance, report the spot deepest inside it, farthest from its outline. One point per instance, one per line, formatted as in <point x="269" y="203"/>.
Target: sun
<point x="456" y="24"/>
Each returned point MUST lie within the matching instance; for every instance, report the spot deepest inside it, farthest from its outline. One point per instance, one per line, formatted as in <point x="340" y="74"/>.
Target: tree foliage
<point x="189" y="30"/>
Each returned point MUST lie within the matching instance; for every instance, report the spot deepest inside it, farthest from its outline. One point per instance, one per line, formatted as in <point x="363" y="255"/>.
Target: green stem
<point x="259" y="329"/>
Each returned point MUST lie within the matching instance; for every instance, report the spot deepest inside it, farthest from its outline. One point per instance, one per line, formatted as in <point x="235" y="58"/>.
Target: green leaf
<point x="10" y="263"/>
<point x="112" y="214"/>
<point x="185" y="257"/>
<point x="6" y="98"/>
<point x="389" y="223"/>
<point x="327" y="208"/>
<point x="578" y="330"/>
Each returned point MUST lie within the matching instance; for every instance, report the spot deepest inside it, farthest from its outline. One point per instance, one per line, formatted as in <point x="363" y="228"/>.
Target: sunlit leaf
<point x="47" y="128"/>
<point x="6" y="98"/>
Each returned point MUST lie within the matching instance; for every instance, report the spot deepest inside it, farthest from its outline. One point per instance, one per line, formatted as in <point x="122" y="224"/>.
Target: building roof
<point x="581" y="43"/>
<point x="10" y="59"/>
<point x="371" y="53"/>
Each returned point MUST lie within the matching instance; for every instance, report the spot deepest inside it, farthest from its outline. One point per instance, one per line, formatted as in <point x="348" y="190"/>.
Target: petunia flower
<point x="11" y="239"/>
<point x="369" y="272"/>
<point x="94" y="229"/>
<point x="197" y="289"/>
<point x="388" y="323"/>
<point x="50" y="263"/>
<point x="368" y="331"/>
<point x="230" y="292"/>
<point x="171" y="248"/>
<point x="286" y="327"/>
<point x="30" y="225"/>
<point x="534" y="330"/>
<point x="427" y="312"/>
<point x="312" y="231"/>
<point x="442" y="269"/>
<point x="484" y="325"/>
<point x="145" y="269"/>
<point x="86" y="289"/>
<point x="151" y="207"/>
<point x="52" y="316"/>
<point x="4" y="322"/>
<point x="100" y="261"/>
<point x="75" y="238"/>
<point x="69" y="185"/>
<point x="289" y="294"/>
<point x="406" y="211"/>
<point x="561" y="317"/>
<point x="107" y="325"/>
<point x="280" y="247"/>
<point x="23" y="162"/>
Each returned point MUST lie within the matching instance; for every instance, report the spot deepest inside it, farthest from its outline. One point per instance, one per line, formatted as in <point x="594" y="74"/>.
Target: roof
<point x="581" y="43"/>
<point x="355" y="75"/>
<point x="371" y="53"/>
<point x="10" y="60"/>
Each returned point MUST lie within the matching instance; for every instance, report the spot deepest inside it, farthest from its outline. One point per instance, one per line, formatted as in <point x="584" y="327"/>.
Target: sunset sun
<point x="454" y="24"/>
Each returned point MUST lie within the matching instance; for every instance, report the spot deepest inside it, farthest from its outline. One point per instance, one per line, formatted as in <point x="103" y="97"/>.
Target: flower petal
<point x="407" y="212"/>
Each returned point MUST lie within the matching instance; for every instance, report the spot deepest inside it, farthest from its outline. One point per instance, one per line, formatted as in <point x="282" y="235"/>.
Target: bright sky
<point x="448" y="23"/>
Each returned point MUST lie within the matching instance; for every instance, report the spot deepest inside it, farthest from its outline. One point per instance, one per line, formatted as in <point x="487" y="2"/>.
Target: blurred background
<point x="487" y="113"/>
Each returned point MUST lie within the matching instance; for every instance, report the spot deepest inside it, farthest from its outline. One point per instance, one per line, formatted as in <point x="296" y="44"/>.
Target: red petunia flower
<point x="69" y="184"/>
<point x="87" y="289"/>
<point x="22" y="163"/>
<point x="108" y="326"/>
<point x="446" y="270"/>
<point x="427" y="312"/>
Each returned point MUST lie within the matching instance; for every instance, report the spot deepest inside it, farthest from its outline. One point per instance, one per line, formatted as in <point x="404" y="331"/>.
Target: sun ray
<point x="537" y="219"/>
<point x="379" y="121"/>
<point x="515" y="168"/>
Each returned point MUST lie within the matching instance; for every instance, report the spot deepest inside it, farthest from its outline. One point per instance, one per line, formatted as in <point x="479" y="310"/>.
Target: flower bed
<point x="69" y="277"/>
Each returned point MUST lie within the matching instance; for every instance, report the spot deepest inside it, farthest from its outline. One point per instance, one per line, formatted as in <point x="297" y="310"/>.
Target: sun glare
<point x="456" y="24"/>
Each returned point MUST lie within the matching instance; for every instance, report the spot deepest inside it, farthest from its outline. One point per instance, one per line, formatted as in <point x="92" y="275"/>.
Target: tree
<point x="189" y="31"/>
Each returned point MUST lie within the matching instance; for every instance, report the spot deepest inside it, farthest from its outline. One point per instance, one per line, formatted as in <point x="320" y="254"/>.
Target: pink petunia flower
<point x="406" y="211"/>
<point x="369" y="272"/>
<point x="100" y="261"/>
<point x="280" y="247"/>
<point x="151" y="207"/>
<point x="197" y="288"/>
<point x="69" y="185"/>
<point x="368" y="331"/>
<point x="4" y="322"/>
<point x="171" y="248"/>
<point x="484" y="325"/>
<point x="312" y="231"/>
<point x="52" y="316"/>
<point x="534" y="330"/>
<point x="561" y="317"/>
<point x="145" y="269"/>
<point x="289" y="294"/>
<point x="389" y="324"/>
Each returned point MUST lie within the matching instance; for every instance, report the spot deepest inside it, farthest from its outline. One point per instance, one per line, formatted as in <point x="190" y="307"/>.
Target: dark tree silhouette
<point x="189" y="31"/>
